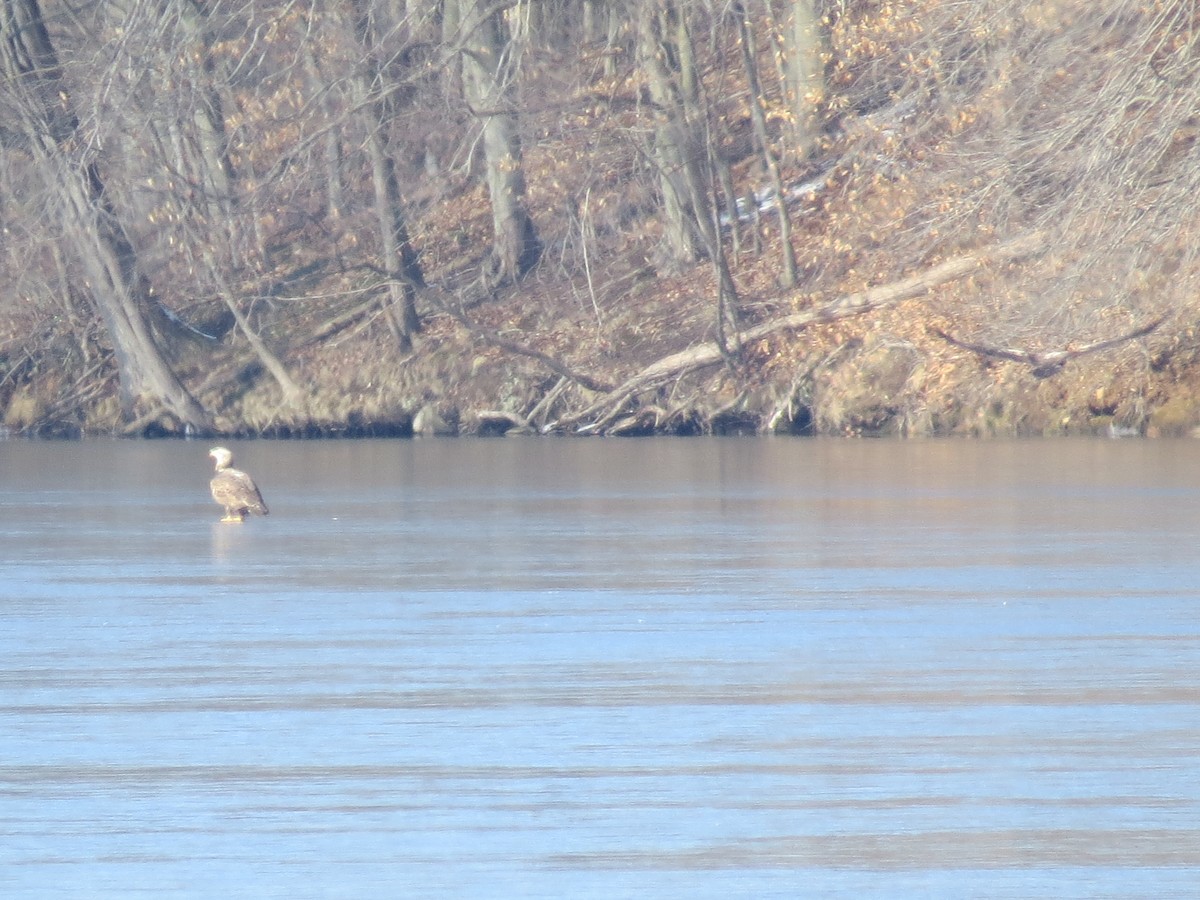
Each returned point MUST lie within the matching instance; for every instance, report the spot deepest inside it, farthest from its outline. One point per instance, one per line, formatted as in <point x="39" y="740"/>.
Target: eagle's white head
<point x="222" y="457"/>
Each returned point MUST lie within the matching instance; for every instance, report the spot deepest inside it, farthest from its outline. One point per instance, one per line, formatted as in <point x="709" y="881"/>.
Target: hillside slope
<point x="982" y="193"/>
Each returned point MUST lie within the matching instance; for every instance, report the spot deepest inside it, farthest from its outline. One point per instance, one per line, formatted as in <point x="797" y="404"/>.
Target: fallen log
<point x="1046" y="364"/>
<point x="709" y="354"/>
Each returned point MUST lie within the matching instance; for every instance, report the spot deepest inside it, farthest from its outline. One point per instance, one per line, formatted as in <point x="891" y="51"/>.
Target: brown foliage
<point x="945" y="129"/>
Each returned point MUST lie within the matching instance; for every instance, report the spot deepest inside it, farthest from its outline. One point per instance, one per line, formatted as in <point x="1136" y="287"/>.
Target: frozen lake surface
<point x="602" y="668"/>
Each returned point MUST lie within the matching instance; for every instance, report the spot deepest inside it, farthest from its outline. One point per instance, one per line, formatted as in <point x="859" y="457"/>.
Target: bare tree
<point x="372" y="100"/>
<point x="489" y="68"/>
<point x="686" y="154"/>
<point x="41" y="122"/>
<point x="804" y="72"/>
<point x="667" y="60"/>
<point x="758" y="116"/>
<point x="195" y="125"/>
<point x="1101" y="155"/>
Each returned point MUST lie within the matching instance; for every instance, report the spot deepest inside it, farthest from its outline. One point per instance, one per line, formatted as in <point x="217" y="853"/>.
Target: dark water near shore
<point x="602" y="668"/>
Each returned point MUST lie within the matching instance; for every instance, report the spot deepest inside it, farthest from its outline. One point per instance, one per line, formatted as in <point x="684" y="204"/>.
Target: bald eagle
<point x="234" y="489"/>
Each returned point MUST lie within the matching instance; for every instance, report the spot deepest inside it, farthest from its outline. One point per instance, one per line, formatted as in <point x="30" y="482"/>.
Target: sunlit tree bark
<point x="489" y="81"/>
<point x="804" y="72"/>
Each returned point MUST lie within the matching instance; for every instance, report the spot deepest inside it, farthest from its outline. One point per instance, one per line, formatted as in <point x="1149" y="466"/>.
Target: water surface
<point x="602" y="668"/>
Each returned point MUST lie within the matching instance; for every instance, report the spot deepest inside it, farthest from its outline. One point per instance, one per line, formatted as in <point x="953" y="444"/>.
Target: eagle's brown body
<point x="234" y="489"/>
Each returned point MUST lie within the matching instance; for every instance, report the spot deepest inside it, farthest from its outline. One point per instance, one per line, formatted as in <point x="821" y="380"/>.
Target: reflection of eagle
<point x="1046" y="364"/>
<point x="234" y="489"/>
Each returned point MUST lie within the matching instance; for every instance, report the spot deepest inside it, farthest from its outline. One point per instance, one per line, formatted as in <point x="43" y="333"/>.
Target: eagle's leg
<point x="232" y="515"/>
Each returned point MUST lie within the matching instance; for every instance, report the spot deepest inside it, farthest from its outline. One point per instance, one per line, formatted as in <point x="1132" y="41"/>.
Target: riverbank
<point x="845" y="367"/>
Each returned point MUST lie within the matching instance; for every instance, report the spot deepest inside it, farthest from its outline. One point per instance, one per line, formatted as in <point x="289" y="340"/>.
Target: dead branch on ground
<point x="685" y="361"/>
<point x="557" y="366"/>
<point x="1045" y="365"/>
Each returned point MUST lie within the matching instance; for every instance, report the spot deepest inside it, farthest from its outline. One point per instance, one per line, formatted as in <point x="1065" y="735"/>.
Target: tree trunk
<point x="292" y="395"/>
<point x="399" y="258"/>
<point x="334" y="184"/>
<point x="404" y="271"/>
<point x="48" y="130"/>
<point x="685" y="157"/>
<point x="677" y="141"/>
<point x="490" y="87"/>
<point x="208" y="115"/>
<point x="759" y="118"/>
<point x="804" y="69"/>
